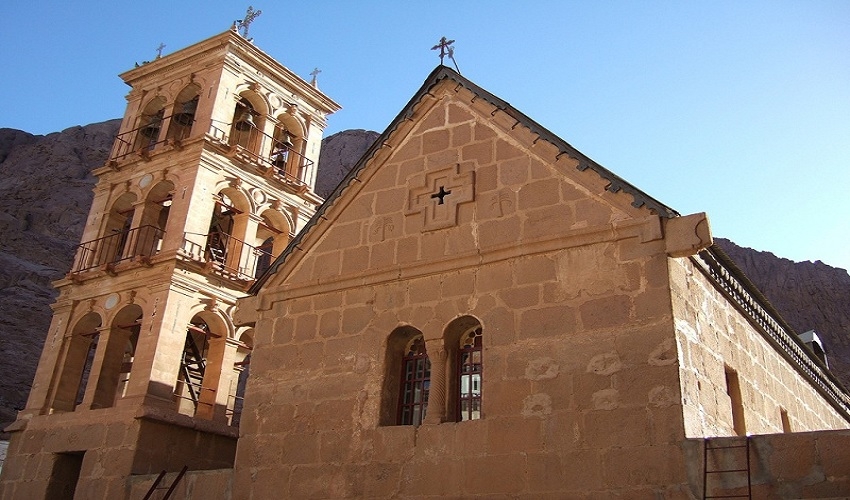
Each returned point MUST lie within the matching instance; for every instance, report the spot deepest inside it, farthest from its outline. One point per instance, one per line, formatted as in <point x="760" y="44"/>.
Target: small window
<point x="786" y="422"/>
<point x="415" y="383"/>
<point x="733" y="389"/>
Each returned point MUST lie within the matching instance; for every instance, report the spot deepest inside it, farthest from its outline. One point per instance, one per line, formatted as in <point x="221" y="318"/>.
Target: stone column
<point x="107" y="365"/>
<point x="160" y="348"/>
<point x="95" y="369"/>
<point x="437" y="394"/>
<point x="215" y="388"/>
<point x="51" y="357"/>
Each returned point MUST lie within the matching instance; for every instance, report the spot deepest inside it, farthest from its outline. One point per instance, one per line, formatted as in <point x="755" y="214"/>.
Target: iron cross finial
<point x="445" y="48"/>
<point x="159" y="50"/>
<point x="244" y="24"/>
<point x="315" y="75"/>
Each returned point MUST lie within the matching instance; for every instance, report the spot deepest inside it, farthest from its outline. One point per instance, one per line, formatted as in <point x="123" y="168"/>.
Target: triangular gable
<point x="504" y="113"/>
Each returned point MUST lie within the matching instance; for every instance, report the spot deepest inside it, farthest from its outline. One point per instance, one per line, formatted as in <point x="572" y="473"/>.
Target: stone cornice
<point x="647" y="229"/>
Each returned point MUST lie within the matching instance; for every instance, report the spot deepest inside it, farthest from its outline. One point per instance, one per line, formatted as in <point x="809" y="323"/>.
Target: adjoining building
<point x="479" y="309"/>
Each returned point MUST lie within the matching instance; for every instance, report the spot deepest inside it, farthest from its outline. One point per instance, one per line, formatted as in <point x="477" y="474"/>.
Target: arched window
<point x="400" y="342"/>
<point x="78" y="355"/>
<point x="271" y="239"/>
<point x="154" y="219"/>
<point x="118" y="352"/>
<point x="220" y="236"/>
<point x="193" y="364"/>
<point x="415" y="383"/>
<point x="288" y="150"/>
<point x="183" y="118"/>
<point x="470" y="368"/>
<point x="111" y="248"/>
<point x="464" y="343"/>
<point x="246" y="128"/>
<point x="150" y="125"/>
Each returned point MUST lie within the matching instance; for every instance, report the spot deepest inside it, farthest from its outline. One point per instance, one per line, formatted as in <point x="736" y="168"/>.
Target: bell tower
<point x="210" y="176"/>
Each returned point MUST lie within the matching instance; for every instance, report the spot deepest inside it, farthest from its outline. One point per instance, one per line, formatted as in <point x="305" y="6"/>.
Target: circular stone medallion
<point x="111" y="301"/>
<point x="145" y="181"/>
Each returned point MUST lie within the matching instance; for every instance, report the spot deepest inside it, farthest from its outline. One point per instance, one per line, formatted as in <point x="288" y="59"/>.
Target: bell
<point x="187" y="115"/>
<point x="245" y="121"/>
<point x="151" y="130"/>
<point x="286" y="140"/>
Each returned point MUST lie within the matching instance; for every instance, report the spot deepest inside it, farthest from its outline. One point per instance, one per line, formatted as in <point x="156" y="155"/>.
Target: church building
<point x="477" y="310"/>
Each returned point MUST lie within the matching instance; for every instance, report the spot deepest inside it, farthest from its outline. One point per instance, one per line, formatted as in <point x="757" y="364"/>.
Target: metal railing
<point x="229" y="256"/>
<point x="285" y="163"/>
<point x="143" y="241"/>
<point x="150" y="136"/>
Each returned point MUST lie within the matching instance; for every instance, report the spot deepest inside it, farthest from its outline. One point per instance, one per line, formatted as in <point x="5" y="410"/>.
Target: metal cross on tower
<point x="446" y="49"/>
<point x="315" y="75"/>
<point x="159" y="50"/>
<point x="244" y="24"/>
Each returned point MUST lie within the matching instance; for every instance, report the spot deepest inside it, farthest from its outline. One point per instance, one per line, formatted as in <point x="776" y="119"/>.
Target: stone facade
<point x="461" y="217"/>
<point x="479" y="310"/>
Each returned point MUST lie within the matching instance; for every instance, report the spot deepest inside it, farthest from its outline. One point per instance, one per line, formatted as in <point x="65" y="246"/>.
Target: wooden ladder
<point x="723" y="471"/>
<point x="155" y="486"/>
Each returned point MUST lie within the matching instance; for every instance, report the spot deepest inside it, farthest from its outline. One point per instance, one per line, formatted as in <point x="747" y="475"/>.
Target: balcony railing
<point x="141" y="140"/>
<point x="284" y="163"/>
<point x="229" y="256"/>
<point x="123" y="245"/>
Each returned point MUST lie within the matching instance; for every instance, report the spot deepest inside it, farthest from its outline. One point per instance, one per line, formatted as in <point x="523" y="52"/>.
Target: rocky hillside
<point x="339" y="153"/>
<point x="45" y="192"/>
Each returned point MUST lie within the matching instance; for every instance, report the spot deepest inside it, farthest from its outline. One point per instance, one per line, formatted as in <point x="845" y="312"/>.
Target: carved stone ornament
<point x="437" y="194"/>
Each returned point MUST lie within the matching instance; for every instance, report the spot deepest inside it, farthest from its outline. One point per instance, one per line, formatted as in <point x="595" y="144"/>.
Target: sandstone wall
<point x="712" y="335"/>
<point x="781" y="466"/>
<point x="580" y="390"/>
<point x="112" y="445"/>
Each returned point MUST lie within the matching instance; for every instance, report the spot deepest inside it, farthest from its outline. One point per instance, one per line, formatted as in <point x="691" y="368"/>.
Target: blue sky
<point x="737" y="109"/>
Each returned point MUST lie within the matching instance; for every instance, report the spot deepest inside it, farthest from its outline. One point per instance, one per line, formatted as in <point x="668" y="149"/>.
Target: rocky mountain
<point x="339" y="153"/>
<point x="45" y="193"/>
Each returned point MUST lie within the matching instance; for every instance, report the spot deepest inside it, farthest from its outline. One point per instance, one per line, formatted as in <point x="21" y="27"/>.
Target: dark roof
<point x="440" y="73"/>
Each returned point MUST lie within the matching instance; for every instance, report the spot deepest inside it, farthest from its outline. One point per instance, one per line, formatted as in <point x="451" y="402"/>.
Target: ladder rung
<point x="724" y="470"/>
<point x="726" y="447"/>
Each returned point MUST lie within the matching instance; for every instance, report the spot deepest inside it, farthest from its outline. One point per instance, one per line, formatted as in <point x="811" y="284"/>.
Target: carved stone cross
<point x="437" y="194"/>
